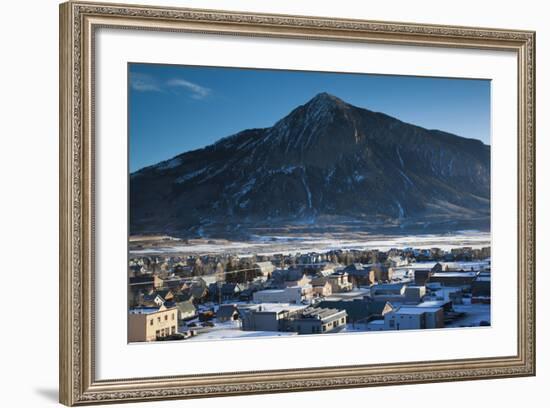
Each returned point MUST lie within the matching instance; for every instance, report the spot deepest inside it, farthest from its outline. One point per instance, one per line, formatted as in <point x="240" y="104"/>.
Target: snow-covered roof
<point x="454" y="275"/>
<point x="276" y="307"/>
<point x="143" y="310"/>
<point x="432" y="303"/>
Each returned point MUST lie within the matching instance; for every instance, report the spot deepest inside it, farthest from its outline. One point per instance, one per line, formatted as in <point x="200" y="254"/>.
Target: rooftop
<point x="143" y="310"/>
<point x="276" y="307"/>
<point x="455" y="275"/>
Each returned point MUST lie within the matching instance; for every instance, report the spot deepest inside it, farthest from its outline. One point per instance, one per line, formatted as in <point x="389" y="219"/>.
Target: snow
<point x="399" y="157"/>
<point x="406" y="178"/>
<point x="169" y="164"/>
<point x="246" y="188"/>
<point x="308" y="192"/>
<point x="475" y="313"/>
<point x="401" y="212"/>
<point x="236" y="334"/>
<point x="358" y="177"/>
<point x="191" y="175"/>
<point x="303" y="244"/>
<point x="330" y="174"/>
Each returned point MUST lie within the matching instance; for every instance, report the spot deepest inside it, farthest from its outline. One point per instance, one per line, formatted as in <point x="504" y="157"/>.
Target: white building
<point x="414" y="318"/>
<point x="292" y="294"/>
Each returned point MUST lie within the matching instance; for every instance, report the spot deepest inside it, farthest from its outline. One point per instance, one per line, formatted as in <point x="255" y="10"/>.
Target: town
<point x="228" y="296"/>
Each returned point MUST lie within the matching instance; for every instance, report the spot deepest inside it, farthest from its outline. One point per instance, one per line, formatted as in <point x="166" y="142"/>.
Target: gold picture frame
<point x="78" y="22"/>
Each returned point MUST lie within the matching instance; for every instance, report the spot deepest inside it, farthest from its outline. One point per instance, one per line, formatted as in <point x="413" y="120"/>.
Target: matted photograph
<point x="266" y="203"/>
<point x="273" y="203"/>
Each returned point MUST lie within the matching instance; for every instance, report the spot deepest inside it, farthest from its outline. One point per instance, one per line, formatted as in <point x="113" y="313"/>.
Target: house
<point x="283" y="278"/>
<point x="316" y="320"/>
<point x="166" y="294"/>
<point x="228" y="291"/>
<point x="321" y="288"/>
<point x="186" y="296"/>
<point x="186" y="310"/>
<point x="153" y="300"/>
<point x="264" y="268"/>
<point x="360" y="274"/>
<point x="339" y="282"/>
<point x="382" y="273"/>
<point x="292" y="294"/>
<point x="359" y="310"/>
<point x="227" y="313"/>
<point x="151" y="323"/>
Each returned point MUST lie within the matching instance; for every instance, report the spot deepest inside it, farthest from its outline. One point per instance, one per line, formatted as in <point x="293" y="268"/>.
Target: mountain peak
<point x="326" y="158"/>
<point x="325" y="98"/>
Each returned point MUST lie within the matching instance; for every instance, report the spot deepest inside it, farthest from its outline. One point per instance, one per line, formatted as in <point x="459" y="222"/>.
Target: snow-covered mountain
<point x="326" y="160"/>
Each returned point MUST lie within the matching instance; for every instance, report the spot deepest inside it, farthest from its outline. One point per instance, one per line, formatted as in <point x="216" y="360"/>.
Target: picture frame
<point x="79" y="24"/>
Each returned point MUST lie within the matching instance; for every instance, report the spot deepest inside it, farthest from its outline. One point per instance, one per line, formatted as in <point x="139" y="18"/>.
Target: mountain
<point x="326" y="163"/>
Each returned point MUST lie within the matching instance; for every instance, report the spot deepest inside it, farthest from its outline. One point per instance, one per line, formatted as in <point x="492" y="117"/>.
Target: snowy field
<point x="269" y="245"/>
<point x="474" y="314"/>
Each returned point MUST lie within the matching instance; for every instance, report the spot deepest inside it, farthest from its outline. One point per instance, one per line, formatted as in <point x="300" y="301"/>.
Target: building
<point x="359" y="310"/>
<point x="153" y="300"/>
<point x="186" y="310"/>
<point x="292" y="294"/>
<point x="397" y="293"/>
<point x="152" y="323"/>
<point x="322" y="288"/>
<point x="283" y="278"/>
<point x="339" y="282"/>
<point x="360" y="274"/>
<point x="414" y="318"/>
<point x="227" y="313"/>
<point x="454" y="278"/>
<point x="481" y="289"/>
<point x="382" y="273"/>
<point x="422" y="276"/>
<point x="314" y="320"/>
<point x="264" y="268"/>
<point x="143" y="281"/>
<point x="267" y="317"/>
<point x="171" y="282"/>
<point x="446" y="305"/>
<point x="166" y="294"/>
<point x="228" y="291"/>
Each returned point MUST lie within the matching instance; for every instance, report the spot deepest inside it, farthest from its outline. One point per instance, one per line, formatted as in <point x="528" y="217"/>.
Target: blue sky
<point x="174" y="109"/>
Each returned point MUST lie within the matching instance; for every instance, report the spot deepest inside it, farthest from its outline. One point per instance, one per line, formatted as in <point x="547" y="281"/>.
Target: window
<point x="173" y="329"/>
<point x="173" y="316"/>
<point x="158" y="318"/>
<point x="165" y="317"/>
<point x="157" y="333"/>
<point x="151" y="322"/>
<point x="392" y="323"/>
